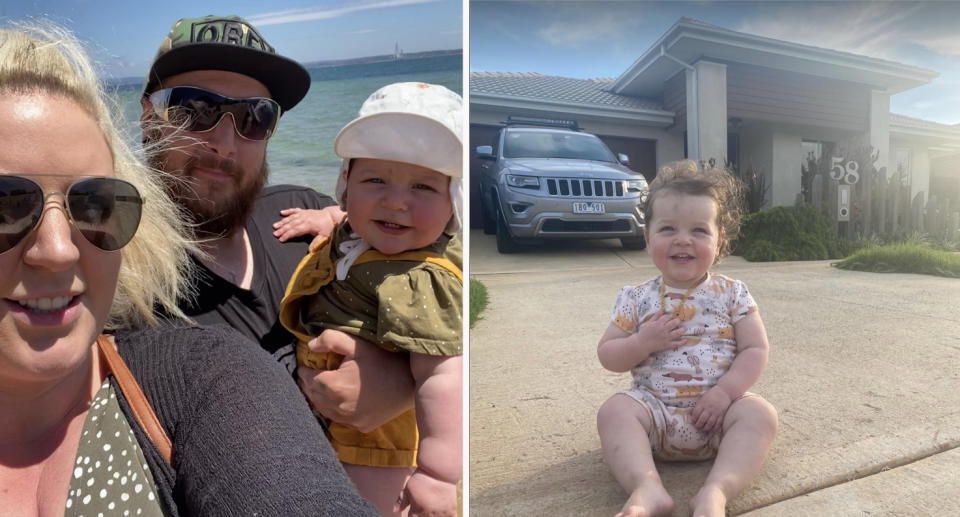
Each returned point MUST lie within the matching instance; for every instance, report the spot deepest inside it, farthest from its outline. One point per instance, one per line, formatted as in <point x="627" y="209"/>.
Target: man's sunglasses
<point x="105" y="210"/>
<point x="196" y="109"/>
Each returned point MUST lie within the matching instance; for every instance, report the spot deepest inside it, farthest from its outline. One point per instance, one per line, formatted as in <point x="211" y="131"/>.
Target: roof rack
<point x="544" y="122"/>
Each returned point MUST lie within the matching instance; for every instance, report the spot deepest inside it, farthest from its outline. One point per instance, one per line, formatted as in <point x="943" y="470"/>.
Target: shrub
<point x="809" y="247"/>
<point x="764" y="251"/>
<point x="904" y="258"/>
<point x="788" y="233"/>
<point x="846" y="247"/>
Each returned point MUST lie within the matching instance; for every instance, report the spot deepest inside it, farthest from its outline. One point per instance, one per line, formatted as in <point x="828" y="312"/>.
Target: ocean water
<point x="301" y="151"/>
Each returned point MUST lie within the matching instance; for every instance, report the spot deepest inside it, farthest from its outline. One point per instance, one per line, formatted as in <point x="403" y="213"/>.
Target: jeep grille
<point x="572" y="187"/>
<point x="561" y="226"/>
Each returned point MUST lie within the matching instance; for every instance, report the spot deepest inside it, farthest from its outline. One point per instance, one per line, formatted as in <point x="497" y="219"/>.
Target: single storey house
<point x="705" y="92"/>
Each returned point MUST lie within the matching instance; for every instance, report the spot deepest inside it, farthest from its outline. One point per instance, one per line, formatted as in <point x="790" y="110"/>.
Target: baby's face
<point x="397" y="206"/>
<point x="683" y="238"/>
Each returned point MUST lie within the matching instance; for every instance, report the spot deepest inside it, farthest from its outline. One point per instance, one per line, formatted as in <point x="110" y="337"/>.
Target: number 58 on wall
<point x="848" y="172"/>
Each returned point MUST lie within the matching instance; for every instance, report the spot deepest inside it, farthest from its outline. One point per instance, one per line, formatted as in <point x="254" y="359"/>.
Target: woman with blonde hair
<point x="177" y="422"/>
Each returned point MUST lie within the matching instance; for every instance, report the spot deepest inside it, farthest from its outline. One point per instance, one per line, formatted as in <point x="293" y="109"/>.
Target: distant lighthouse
<point x="397" y="53"/>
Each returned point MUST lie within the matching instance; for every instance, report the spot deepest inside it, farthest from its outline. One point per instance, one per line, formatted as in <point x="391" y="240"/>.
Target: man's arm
<point x="370" y="388"/>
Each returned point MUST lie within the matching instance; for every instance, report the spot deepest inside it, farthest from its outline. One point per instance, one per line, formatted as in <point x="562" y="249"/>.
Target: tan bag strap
<point x="138" y="401"/>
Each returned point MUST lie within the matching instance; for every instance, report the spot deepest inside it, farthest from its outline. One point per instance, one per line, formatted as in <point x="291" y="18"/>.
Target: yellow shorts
<point x="393" y="444"/>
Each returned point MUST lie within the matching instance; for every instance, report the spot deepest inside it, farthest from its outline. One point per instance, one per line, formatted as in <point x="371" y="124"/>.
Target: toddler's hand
<point x="297" y="222"/>
<point x="710" y="409"/>
<point x="427" y="496"/>
<point x="662" y="332"/>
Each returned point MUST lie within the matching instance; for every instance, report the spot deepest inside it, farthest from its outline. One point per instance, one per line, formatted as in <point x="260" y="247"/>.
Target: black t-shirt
<point x="254" y="312"/>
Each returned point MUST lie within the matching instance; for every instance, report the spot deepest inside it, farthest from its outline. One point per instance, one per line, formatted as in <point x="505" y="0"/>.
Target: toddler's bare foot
<point x="648" y="500"/>
<point x="709" y="502"/>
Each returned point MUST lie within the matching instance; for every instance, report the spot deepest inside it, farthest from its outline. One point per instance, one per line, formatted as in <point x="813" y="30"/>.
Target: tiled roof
<point x="904" y="120"/>
<point x="554" y="88"/>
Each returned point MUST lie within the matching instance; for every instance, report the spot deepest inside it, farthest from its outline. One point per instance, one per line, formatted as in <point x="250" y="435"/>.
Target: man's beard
<point x="214" y="216"/>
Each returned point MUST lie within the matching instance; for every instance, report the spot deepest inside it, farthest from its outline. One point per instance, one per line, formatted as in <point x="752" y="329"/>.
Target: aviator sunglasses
<point x="105" y="210"/>
<point x="196" y="109"/>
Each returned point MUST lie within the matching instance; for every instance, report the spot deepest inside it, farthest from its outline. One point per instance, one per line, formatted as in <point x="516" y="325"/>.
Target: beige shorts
<point x="673" y="436"/>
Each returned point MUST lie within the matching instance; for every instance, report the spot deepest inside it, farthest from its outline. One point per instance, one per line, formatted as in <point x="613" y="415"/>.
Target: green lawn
<point x="904" y="258"/>
<point x="478" y="300"/>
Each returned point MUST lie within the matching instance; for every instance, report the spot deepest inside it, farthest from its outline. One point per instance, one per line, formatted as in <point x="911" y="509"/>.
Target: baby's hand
<point x="710" y="409"/>
<point x="297" y="222"/>
<point x="662" y="332"/>
<point x="427" y="496"/>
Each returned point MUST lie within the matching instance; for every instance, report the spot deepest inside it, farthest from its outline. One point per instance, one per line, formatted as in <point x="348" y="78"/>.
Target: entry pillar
<point x="707" y="112"/>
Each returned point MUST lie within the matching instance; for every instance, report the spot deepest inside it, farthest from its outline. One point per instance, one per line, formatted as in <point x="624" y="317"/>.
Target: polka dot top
<point x="110" y="475"/>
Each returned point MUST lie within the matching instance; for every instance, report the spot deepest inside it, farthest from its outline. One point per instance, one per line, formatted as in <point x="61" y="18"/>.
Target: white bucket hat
<point x="416" y="123"/>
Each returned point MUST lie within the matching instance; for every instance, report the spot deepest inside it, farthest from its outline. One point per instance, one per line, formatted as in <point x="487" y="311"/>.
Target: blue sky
<point x="124" y="35"/>
<point x="602" y="39"/>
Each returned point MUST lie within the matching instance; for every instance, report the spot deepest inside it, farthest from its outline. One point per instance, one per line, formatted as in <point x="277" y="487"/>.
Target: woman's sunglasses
<point x="196" y="109"/>
<point x="105" y="210"/>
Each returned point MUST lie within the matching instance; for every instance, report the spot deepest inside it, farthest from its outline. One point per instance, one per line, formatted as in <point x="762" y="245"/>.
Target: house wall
<point x="945" y="177"/>
<point x="775" y="151"/>
<point x="764" y="94"/>
<point x="786" y="155"/>
<point x="675" y="99"/>
<point x="921" y="172"/>
<point x="756" y="151"/>
<point x="921" y="165"/>
<point x="669" y="148"/>
<point x="879" y="137"/>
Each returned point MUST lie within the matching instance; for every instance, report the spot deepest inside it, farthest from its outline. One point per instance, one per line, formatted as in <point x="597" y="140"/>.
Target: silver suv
<point x="557" y="182"/>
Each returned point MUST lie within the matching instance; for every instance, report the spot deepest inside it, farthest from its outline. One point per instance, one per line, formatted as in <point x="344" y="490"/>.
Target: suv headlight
<point x="530" y="182"/>
<point x="636" y="185"/>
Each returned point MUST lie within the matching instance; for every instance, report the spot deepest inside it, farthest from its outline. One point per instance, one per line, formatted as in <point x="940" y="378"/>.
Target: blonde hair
<point x="41" y="57"/>
<point x="687" y="177"/>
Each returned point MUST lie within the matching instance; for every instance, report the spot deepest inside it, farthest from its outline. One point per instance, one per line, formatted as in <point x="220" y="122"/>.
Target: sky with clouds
<point x="123" y="35"/>
<point x="602" y="39"/>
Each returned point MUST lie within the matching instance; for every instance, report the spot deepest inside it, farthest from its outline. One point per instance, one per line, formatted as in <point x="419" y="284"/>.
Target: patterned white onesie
<point x="670" y="382"/>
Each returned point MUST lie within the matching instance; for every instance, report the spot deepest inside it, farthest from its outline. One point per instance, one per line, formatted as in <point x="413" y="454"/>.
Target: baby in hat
<point x="390" y="273"/>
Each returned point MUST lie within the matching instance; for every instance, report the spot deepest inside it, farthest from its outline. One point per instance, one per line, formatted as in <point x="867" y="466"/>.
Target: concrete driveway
<point x="863" y="370"/>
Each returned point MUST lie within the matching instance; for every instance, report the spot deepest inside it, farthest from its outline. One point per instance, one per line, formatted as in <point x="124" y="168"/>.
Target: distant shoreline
<point x="128" y="82"/>
<point x="383" y="58"/>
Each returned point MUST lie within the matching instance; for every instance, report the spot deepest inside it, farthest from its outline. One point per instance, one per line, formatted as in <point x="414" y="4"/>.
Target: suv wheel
<point x="633" y="243"/>
<point x="489" y="224"/>
<point x="505" y="243"/>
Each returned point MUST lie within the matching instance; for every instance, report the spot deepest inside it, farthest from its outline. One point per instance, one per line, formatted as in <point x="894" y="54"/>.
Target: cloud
<point x="875" y="30"/>
<point x="948" y="45"/>
<point x="322" y="13"/>
<point x="361" y="31"/>
<point x="584" y="28"/>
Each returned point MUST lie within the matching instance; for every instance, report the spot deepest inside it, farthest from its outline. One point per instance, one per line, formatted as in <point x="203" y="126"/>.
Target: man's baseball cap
<point x="416" y="123"/>
<point x="231" y="44"/>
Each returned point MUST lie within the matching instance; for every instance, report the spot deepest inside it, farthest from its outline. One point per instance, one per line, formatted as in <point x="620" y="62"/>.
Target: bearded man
<point x="213" y="97"/>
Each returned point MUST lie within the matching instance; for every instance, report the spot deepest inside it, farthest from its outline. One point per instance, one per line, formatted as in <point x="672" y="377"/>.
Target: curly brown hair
<point x="688" y="177"/>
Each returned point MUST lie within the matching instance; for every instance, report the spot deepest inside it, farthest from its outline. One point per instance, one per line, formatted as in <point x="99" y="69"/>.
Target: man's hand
<point x="662" y="332"/>
<point x="710" y="409"/>
<point x="370" y="388"/>
<point x="427" y="496"/>
<point x="297" y="222"/>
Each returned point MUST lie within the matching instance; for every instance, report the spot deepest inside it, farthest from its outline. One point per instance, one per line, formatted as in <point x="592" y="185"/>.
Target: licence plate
<point x="592" y="207"/>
